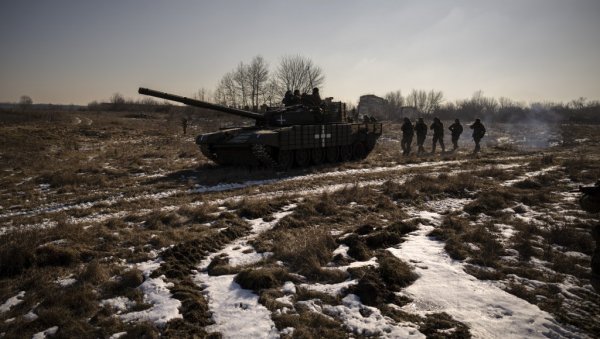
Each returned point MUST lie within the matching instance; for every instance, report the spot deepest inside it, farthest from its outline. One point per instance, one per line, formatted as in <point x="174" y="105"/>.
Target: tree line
<point x="432" y="103"/>
<point x="251" y="85"/>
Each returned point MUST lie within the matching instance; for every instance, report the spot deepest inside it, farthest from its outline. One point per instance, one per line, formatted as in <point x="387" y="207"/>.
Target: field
<point x="114" y="225"/>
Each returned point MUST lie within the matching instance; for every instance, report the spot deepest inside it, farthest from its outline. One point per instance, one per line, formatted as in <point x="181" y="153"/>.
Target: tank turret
<point x="327" y="112"/>
<point x="298" y="135"/>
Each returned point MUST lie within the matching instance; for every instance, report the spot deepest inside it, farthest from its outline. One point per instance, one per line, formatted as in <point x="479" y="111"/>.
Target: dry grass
<point x="102" y="186"/>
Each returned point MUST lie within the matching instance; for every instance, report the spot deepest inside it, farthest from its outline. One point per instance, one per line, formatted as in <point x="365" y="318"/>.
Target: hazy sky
<point x="78" y="51"/>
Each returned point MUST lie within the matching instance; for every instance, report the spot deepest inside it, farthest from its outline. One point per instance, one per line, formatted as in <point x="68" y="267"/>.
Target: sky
<point x="75" y="52"/>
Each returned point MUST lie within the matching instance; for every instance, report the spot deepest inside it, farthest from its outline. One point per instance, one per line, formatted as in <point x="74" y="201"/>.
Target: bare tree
<point x="227" y="91"/>
<point x="257" y="76"/>
<point x="242" y="81"/>
<point x="417" y="99"/>
<point x="117" y="99"/>
<point x="272" y="94"/>
<point x="434" y="100"/>
<point x="395" y="102"/>
<point x="202" y="94"/>
<point x="298" y="72"/>
<point x="25" y="102"/>
<point x="425" y="102"/>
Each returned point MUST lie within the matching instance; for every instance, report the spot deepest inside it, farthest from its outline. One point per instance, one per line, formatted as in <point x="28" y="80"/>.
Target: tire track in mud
<point x="344" y="178"/>
<point x="117" y="198"/>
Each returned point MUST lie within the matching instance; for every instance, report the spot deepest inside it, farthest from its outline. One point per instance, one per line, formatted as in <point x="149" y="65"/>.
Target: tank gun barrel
<point x="198" y="103"/>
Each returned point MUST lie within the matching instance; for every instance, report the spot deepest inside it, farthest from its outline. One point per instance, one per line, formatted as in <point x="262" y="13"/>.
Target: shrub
<point x="382" y="239"/>
<point x="159" y="220"/>
<point x="357" y="248"/>
<point x="370" y="289"/>
<point x="456" y="248"/>
<point x="52" y="255"/>
<point x="395" y="272"/>
<point x="402" y="228"/>
<point x="305" y="250"/>
<point x="308" y="324"/>
<point x="219" y="266"/>
<point x="15" y="258"/>
<point x="441" y="325"/>
<point x="94" y="273"/>
<point x="199" y="214"/>
<point x="262" y="278"/>
<point x="253" y="209"/>
<point x="488" y="202"/>
<point x="570" y="237"/>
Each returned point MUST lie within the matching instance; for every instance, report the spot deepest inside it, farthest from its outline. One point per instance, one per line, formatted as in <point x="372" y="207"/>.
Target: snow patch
<point x="489" y="311"/>
<point x="236" y="311"/>
<point x="46" y="333"/>
<point x="164" y="307"/>
<point x="368" y="321"/>
<point x="233" y="307"/>
<point x="12" y="302"/>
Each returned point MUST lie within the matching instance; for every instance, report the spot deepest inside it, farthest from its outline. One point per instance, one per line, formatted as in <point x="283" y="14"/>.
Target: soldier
<point x="438" y="134"/>
<point x="478" y="133"/>
<point x="296" y="98"/>
<point x="316" y="97"/>
<point x="456" y="130"/>
<point x="287" y="98"/>
<point x="184" y="125"/>
<point x="408" y="132"/>
<point x="421" y="130"/>
<point x="590" y="202"/>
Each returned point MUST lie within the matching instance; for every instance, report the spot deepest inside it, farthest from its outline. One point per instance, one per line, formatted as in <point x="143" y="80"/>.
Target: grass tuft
<point x="262" y="278"/>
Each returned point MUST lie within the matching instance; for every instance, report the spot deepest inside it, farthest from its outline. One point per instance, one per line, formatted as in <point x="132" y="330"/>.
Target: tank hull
<point x="286" y="147"/>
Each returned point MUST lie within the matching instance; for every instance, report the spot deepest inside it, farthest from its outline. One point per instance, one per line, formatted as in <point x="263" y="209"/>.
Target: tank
<point x="590" y="199"/>
<point x="282" y="138"/>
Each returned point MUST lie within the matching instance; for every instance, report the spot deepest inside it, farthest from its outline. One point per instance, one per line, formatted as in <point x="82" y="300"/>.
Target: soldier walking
<point x="408" y="132"/>
<point x="456" y="130"/>
<point x="438" y="134"/>
<point x="478" y="133"/>
<point x="421" y="130"/>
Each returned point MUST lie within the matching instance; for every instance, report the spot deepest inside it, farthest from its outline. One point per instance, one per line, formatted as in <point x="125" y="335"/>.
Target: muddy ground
<point x="114" y="224"/>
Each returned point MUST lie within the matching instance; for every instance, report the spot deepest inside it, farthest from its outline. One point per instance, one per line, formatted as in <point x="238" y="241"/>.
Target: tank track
<point x="207" y="153"/>
<point x="261" y="153"/>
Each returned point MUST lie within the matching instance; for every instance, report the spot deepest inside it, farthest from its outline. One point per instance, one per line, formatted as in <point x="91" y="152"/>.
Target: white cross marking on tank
<point x="281" y="120"/>
<point x="322" y="136"/>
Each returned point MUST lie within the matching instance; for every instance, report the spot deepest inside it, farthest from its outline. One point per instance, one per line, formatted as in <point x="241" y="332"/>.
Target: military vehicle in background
<point x="298" y="135"/>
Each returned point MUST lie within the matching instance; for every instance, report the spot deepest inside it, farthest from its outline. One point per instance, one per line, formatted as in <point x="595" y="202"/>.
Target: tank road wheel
<point x="345" y="153"/>
<point x="359" y="151"/>
<point x="285" y="159"/>
<point x="371" y="144"/>
<point x="316" y="156"/>
<point x="331" y="154"/>
<point x="302" y="157"/>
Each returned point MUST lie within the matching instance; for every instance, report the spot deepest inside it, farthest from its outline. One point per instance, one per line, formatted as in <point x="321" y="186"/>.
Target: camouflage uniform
<point x="478" y="133"/>
<point x="408" y="132"/>
<point x="590" y="202"/>
<point x="316" y="98"/>
<point x="438" y="134"/>
<point x="456" y="130"/>
<point x="288" y="98"/>
<point x="296" y="98"/>
<point x="421" y="130"/>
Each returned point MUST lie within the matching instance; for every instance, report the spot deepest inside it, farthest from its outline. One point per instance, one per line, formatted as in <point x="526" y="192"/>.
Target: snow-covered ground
<point x="490" y="312"/>
<point x="442" y="286"/>
<point x="236" y="311"/>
